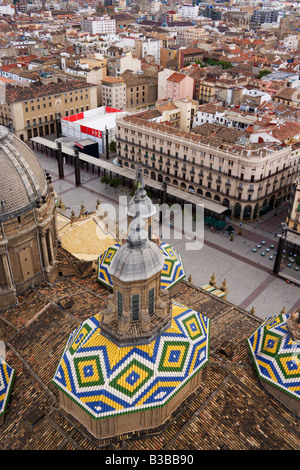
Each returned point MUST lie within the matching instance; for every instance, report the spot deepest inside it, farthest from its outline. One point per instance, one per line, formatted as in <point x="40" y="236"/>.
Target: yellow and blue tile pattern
<point x="107" y="380"/>
<point x="276" y="356"/>
<point x="6" y="382"/>
<point x="172" y="272"/>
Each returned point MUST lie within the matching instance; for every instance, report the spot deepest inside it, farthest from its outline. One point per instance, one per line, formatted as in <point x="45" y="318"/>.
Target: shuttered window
<point x="119" y="304"/>
<point x="135" y="307"/>
<point x="151" y="301"/>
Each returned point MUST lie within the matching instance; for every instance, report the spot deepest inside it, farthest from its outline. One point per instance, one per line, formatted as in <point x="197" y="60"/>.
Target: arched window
<point x="247" y="212"/>
<point x="237" y="210"/>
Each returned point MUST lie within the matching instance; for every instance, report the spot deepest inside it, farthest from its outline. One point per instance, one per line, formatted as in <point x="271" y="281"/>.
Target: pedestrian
<point x="275" y="235"/>
<point x="240" y="224"/>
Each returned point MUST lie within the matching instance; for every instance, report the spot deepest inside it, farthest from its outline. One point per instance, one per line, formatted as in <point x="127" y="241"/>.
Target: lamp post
<point x="57" y="120"/>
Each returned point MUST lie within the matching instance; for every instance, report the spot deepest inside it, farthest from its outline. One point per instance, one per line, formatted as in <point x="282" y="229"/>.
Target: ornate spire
<point x="140" y="181"/>
<point x="137" y="235"/>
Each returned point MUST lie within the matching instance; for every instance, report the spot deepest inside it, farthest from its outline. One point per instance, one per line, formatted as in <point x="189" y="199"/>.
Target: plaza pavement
<point x="249" y="275"/>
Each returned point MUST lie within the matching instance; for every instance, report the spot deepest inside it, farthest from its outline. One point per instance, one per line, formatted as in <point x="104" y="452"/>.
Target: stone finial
<point x="124" y="322"/>
<point x="61" y="205"/>
<point x="224" y="286"/>
<point x="213" y="280"/>
<point x="82" y="210"/>
<point x="252" y="310"/>
<point x="109" y="312"/>
<point x="73" y="217"/>
<point x="145" y="320"/>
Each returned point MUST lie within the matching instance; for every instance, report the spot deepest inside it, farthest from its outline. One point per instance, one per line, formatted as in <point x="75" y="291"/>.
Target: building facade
<point x="247" y="182"/>
<point x="179" y="86"/>
<point x="114" y="92"/>
<point x="101" y="25"/>
<point x="293" y="218"/>
<point x="36" y="111"/>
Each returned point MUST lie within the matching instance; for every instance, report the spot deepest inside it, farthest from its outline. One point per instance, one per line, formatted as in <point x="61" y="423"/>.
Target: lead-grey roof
<point x="139" y="258"/>
<point x="136" y="263"/>
<point x="22" y="179"/>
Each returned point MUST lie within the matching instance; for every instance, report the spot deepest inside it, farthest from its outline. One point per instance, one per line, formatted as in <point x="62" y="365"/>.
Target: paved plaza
<point x="249" y="275"/>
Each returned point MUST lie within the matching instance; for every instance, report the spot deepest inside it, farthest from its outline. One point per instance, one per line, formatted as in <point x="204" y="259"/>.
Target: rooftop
<point x="16" y="93"/>
<point x="232" y="411"/>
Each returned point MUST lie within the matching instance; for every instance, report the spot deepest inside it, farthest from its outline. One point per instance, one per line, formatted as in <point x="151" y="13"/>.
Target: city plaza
<point x="250" y="279"/>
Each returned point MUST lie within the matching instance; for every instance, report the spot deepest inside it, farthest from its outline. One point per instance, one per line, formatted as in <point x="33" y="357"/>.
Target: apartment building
<point x="248" y="181"/>
<point x="141" y="91"/>
<point x="114" y="92"/>
<point x="33" y="111"/>
<point x="265" y="16"/>
<point x="118" y="65"/>
<point x="188" y="11"/>
<point x="148" y="47"/>
<point x="101" y="25"/>
<point x="179" y="86"/>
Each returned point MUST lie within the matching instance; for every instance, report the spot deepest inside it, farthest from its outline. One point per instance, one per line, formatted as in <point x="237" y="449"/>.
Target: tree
<point x="112" y="146"/>
<point x="262" y="73"/>
<point x="114" y="183"/>
<point x="105" y="180"/>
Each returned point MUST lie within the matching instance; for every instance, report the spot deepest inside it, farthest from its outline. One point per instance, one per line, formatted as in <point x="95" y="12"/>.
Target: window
<point x="151" y="301"/>
<point x="119" y="304"/>
<point x="135" y="307"/>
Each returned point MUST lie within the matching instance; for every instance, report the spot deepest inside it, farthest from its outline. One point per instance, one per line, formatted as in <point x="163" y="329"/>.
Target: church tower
<point x="137" y="308"/>
<point x="129" y="367"/>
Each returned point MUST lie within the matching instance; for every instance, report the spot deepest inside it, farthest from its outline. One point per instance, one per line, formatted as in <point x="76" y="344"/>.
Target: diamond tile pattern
<point x="106" y="380"/>
<point x="276" y="355"/>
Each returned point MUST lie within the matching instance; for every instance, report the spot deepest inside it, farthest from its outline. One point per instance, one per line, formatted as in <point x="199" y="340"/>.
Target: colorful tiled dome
<point x="276" y="355"/>
<point x="172" y="271"/>
<point x="107" y="380"/>
<point x="6" y="382"/>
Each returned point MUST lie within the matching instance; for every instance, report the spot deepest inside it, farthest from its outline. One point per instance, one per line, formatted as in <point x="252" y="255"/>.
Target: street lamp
<point x="57" y="119"/>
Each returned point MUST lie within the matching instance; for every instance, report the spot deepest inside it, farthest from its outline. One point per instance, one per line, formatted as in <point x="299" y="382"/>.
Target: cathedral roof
<point x="276" y="355"/>
<point x="22" y="179"/>
<point x="172" y="271"/>
<point x="138" y="258"/>
<point x="106" y="380"/>
<point x="6" y="382"/>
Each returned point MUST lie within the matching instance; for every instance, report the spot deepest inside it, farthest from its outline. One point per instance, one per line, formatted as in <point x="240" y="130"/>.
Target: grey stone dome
<point x="22" y="179"/>
<point x="136" y="263"/>
<point x="139" y="258"/>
